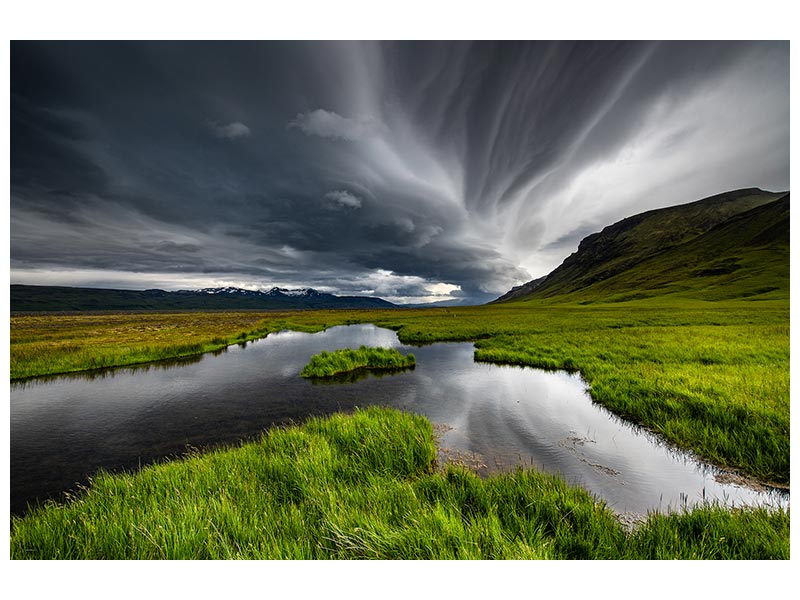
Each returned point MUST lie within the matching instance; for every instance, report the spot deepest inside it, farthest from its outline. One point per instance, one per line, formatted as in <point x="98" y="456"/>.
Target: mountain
<point x="520" y="291"/>
<point x="730" y="245"/>
<point x="28" y="298"/>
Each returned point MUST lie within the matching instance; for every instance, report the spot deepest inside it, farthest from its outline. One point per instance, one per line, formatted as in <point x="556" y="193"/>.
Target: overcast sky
<point x="410" y="171"/>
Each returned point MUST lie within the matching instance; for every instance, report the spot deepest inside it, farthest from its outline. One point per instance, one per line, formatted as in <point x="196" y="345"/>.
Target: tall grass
<point x="713" y="533"/>
<point x="345" y="360"/>
<point x="364" y="486"/>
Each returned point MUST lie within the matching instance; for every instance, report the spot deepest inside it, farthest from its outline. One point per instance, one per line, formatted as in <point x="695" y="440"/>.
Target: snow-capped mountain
<point x="226" y="290"/>
<point x="275" y="292"/>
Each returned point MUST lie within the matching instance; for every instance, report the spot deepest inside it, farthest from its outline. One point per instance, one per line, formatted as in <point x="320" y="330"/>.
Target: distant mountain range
<point x="731" y="245"/>
<point x="29" y="298"/>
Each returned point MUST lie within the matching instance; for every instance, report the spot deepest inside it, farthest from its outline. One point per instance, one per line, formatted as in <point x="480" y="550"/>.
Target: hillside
<point x="727" y="246"/>
<point x="30" y="298"/>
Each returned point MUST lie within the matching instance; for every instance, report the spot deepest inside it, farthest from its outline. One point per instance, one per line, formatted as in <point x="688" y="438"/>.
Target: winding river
<point x="495" y="417"/>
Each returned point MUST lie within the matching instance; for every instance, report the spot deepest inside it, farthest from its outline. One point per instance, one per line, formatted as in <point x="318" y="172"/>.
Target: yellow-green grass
<point x="364" y="486"/>
<point x="712" y="377"/>
<point x="346" y="360"/>
<point x="51" y="344"/>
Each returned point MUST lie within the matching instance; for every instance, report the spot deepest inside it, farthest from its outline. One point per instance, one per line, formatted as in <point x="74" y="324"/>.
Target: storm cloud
<point x="411" y="171"/>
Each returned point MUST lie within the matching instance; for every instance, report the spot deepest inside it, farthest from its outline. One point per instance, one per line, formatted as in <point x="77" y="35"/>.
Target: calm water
<point x="63" y="429"/>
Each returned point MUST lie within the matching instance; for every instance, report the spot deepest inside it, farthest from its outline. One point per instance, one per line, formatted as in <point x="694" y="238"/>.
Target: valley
<point x="677" y="320"/>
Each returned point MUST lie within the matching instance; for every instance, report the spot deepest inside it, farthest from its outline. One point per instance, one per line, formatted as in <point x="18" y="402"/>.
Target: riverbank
<point x="365" y="486"/>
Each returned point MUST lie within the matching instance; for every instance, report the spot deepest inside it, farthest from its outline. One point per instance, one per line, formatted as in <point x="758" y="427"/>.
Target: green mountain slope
<point x="732" y="245"/>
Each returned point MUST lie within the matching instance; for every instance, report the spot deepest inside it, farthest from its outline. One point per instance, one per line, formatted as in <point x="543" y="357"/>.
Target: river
<point x="65" y="428"/>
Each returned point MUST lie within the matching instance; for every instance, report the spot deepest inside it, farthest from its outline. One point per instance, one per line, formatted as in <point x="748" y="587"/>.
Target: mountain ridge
<point x="31" y="298"/>
<point x="646" y="250"/>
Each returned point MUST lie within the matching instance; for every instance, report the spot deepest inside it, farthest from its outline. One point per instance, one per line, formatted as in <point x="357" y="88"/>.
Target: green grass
<point x="346" y="360"/>
<point x="720" y="388"/>
<point x="713" y="533"/>
<point x="364" y="486"/>
<point x="53" y="344"/>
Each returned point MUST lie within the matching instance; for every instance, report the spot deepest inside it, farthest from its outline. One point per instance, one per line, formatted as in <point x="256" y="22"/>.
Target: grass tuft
<point x="346" y="360"/>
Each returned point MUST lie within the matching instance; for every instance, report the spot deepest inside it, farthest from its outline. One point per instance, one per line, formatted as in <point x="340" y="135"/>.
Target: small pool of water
<point x="65" y="428"/>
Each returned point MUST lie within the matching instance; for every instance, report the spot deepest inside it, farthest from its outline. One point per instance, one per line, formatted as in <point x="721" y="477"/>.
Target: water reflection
<point x="63" y="429"/>
<point x="106" y="372"/>
<point x="358" y="375"/>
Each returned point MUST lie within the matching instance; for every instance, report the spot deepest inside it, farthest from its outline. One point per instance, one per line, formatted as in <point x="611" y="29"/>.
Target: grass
<point x="364" y="486"/>
<point x="346" y="360"/>
<point x="43" y="344"/>
<point x="720" y="388"/>
<point x="712" y="377"/>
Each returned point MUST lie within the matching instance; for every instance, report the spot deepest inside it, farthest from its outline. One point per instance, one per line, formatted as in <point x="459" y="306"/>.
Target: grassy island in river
<point x="345" y="360"/>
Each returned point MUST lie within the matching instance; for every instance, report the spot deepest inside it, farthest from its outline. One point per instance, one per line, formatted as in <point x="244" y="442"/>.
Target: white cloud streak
<point x="231" y="131"/>
<point x="328" y="124"/>
<point x="338" y="199"/>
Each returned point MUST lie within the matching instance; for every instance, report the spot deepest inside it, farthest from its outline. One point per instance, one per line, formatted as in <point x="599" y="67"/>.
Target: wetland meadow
<point x="713" y="383"/>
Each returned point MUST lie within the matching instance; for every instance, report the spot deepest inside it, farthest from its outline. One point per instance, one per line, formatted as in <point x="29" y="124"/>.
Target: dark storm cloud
<point x="400" y="169"/>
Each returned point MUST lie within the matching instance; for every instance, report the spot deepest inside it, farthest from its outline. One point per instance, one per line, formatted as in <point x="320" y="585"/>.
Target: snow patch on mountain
<point x="295" y="293"/>
<point x="275" y="291"/>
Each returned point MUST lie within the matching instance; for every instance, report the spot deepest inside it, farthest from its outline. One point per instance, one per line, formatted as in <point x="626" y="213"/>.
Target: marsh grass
<point x="364" y="486"/>
<point x="346" y="360"/>
<point x="52" y="344"/>
<point x="712" y="377"/>
<point x="713" y="533"/>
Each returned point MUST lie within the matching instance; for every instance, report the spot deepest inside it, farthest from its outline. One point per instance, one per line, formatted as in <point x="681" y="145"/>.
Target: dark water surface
<point x="65" y="428"/>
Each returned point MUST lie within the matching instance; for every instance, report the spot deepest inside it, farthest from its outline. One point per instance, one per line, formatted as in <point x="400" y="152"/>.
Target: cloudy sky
<point x="411" y="171"/>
